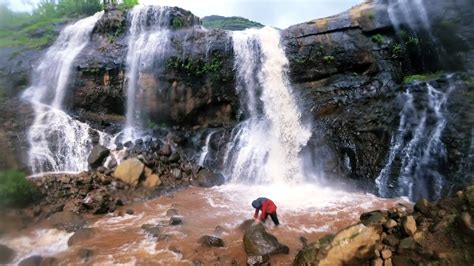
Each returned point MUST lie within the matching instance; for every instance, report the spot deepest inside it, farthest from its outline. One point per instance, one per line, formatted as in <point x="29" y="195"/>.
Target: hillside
<point x="229" y="23"/>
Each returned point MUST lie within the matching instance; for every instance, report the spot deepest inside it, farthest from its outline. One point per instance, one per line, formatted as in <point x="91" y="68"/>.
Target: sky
<point x="276" y="13"/>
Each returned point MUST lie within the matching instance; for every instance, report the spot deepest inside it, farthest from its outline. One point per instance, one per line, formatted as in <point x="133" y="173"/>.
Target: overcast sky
<point x="277" y="13"/>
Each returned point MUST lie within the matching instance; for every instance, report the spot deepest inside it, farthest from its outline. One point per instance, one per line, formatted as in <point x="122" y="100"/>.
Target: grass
<point x="379" y="39"/>
<point x="16" y="190"/>
<point x="422" y="77"/>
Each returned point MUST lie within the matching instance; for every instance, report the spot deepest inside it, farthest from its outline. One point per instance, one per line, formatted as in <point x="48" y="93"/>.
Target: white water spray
<point x="417" y="144"/>
<point x="149" y="37"/>
<point x="267" y="146"/>
<point x="57" y="141"/>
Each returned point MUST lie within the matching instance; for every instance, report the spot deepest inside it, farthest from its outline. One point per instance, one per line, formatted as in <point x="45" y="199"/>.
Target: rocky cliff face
<point x="346" y="69"/>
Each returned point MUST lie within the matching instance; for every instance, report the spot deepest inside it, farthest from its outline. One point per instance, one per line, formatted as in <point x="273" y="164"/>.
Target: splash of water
<point x="410" y="12"/>
<point x="418" y="146"/>
<point x="267" y="145"/>
<point x="148" y="41"/>
<point x="57" y="141"/>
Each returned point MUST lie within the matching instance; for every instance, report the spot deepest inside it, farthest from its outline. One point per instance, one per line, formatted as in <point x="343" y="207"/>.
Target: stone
<point x="409" y="225"/>
<point x="407" y="243"/>
<point x="80" y="236"/>
<point x="386" y="254"/>
<point x="257" y="242"/>
<point x="165" y="150"/>
<point x="85" y="254"/>
<point x="376" y="262"/>
<point x="391" y="240"/>
<point x="97" y="156"/>
<point x="219" y="230"/>
<point x="129" y="171"/>
<point x="152" y="230"/>
<point x="211" y="241"/>
<point x="390" y="224"/>
<point x="388" y="262"/>
<point x="6" y="254"/>
<point x="174" y="220"/>
<point x="31" y="261"/>
<point x="354" y="244"/>
<point x="261" y="260"/>
<point x="171" y="212"/>
<point x="423" y="206"/>
<point x="174" y="157"/>
<point x="467" y="223"/>
<point x="418" y="236"/>
<point x="99" y="201"/>
<point x="111" y="163"/>
<point x="152" y="181"/>
<point x="373" y="218"/>
<point x="469" y="195"/>
<point x="129" y="212"/>
<point x="67" y="220"/>
<point x="206" y="178"/>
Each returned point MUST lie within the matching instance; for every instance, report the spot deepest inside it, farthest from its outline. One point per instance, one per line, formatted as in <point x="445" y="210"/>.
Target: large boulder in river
<point x="353" y="245"/>
<point x="6" y="254"/>
<point x="207" y="178"/>
<point x="258" y="242"/>
<point x="67" y="220"/>
<point x="129" y="171"/>
<point x="80" y="235"/>
<point x="97" y="156"/>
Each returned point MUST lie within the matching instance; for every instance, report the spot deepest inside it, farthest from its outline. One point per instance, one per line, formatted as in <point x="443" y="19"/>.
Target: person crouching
<point x="267" y="207"/>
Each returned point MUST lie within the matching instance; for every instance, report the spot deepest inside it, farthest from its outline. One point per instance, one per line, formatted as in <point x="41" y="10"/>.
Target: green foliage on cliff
<point x="177" y="23"/>
<point x="195" y="67"/>
<point x="229" y="23"/>
<point x="15" y="189"/>
<point x="378" y="38"/>
<point x="422" y="77"/>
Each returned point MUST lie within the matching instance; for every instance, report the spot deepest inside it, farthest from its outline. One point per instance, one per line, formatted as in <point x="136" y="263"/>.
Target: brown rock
<point x="391" y="240"/>
<point x="211" y="241"/>
<point x="171" y="212"/>
<point x="409" y="225"/>
<point x="386" y="254"/>
<point x="373" y="218"/>
<point x="129" y="171"/>
<point x="377" y="262"/>
<point x="406" y="244"/>
<point x="81" y="235"/>
<point x="67" y="220"/>
<point x="152" y="181"/>
<point x="467" y="223"/>
<point x="390" y="224"/>
<point x="6" y="254"/>
<point x="423" y="206"/>
<point x="387" y="262"/>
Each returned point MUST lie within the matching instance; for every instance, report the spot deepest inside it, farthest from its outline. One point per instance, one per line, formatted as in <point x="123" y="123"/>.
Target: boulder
<point x="206" y="178"/>
<point x="171" y="212"/>
<point x="67" y="220"/>
<point x="211" y="241"/>
<point x="262" y="260"/>
<point x="175" y="220"/>
<point x="390" y="224"/>
<point x="80" y="235"/>
<point x="406" y="244"/>
<point x="409" y="225"/>
<point x="129" y="171"/>
<point x="386" y="254"/>
<point x="257" y="242"/>
<point x="6" y="254"/>
<point x="373" y="218"/>
<point x="354" y="245"/>
<point x="97" y="156"/>
<point x="99" y="201"/>
<point x="37" y="260"/>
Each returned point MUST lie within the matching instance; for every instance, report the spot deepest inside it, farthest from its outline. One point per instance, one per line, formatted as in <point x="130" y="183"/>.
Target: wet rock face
<point x="97" y="156"/>
<point x="6" y="254"/>
<point x="67" y="220"/>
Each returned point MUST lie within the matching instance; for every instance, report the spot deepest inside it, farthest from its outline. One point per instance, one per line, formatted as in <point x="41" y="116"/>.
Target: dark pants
<point x="274" y="218"/>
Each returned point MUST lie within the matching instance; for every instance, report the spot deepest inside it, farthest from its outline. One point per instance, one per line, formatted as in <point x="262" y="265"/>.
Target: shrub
<point x="328" y="59"/>
<point x="177" y="23"/>
<point x="422" y="77"/>
<point x="15" y="189"/>
<point x="379" y="39"/>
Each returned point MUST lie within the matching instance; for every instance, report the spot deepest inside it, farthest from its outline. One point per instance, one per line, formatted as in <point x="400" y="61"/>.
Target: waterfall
<point x="267" y="144"/>
<point x="148" y="40"/>
<point x="57" y="141"/>
<point x="409" y="12"/>
<point x="417" y="146"/>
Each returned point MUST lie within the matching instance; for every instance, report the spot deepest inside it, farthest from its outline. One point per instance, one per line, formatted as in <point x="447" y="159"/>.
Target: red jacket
<point x="268" y="207"/>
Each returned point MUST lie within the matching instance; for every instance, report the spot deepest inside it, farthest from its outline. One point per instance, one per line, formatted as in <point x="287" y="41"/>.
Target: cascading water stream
<point x="57" y="141"/>
<point x="418" y="147"/>
<point x="267" y="145"/>
<point x="148" y="40"/>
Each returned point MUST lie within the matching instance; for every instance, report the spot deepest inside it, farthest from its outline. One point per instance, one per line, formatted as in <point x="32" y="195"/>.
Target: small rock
<point x="423" y="206"/>
<point x="219" y="230"/>
<point x="153" y="230"/>
<point x="390" y="224"/>
<point x="388" y="262"/>
<point x="171" y="212"/>
<point x="373" y="218"/>
<point x="261" y="260"/>
<point x="85" y="254"/>
<point x="386" y="254"/>
<point x="6" y="254"/>
<point x="175" y="220"/>
<point x="129" y="212"/>
<point x="406" y="244"/>
<point x="31" y="261"/>
<point x="67" y="220"/>
<point x="409" y="225"/>
<point x="418" y="236"/>
<point x="211" y="241"/>
<point x="377" y="262"/>
<point x="97" y="156"/>
<point x="152" y="181"/>
<point x="80" y="235"/>
<point x="467" y="223"/>
<point x="129" y="171"/>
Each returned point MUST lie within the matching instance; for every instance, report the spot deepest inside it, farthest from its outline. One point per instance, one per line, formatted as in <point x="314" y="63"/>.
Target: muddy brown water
<point x="304" y="211"/>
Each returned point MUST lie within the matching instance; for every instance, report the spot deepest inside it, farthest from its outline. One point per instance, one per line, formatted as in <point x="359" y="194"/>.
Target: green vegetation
<point x="371" y="15"/>
<point x="397" y="50"/>
<point x="229" y="23"/>
<point x="40" y="28"/>
<point x="378" y="38"/>
<point x="422" y="77"/>
<point x="15" y="189"/>
<point x="195" y="67"/>
<point x="328" y="59"/>
<point x="177" y="22"/>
